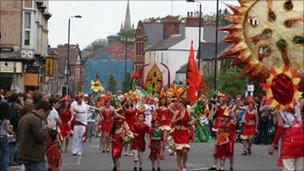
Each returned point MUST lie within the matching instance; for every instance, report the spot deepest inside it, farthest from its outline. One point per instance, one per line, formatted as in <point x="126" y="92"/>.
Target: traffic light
<point x="64" y="90"/>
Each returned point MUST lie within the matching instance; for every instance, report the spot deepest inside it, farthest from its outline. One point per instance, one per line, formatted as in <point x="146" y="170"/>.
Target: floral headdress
<point x="131" y="95"/>
<point x="175" y="92"/>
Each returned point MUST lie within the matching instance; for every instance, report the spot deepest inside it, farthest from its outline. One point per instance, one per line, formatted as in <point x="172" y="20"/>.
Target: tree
<point x="210" y="19"/>
<point x="127" y="33"/>
<point x="97" y="44"/>
<point x="126" y="84"/>
<point x="230" y="82"/>
<point x="112" y="83"/>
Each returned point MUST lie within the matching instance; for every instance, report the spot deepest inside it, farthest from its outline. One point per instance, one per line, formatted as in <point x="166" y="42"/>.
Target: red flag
<point x="193" y="77"/>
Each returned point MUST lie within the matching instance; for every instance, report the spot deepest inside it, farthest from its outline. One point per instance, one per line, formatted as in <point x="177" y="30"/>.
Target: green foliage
<point x="230" y="82"/>
<point x="126" y="84"/>
<point x="161" y="19"/>
<point x="128" y="33"/>
<point x="112" y="83"/>
<point x="97" y="44"/>
<point x="209" y="19"/>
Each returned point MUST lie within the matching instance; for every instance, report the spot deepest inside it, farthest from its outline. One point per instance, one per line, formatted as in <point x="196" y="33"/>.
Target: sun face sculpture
<point x="266" y="33"/>
<point x="282" y="88"/>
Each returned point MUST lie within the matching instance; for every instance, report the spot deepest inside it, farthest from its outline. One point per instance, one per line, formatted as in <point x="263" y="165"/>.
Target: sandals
<point x="244" y="153"/>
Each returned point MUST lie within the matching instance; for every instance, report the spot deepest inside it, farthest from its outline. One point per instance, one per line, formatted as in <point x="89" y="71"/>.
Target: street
<point x="200" y="158"/>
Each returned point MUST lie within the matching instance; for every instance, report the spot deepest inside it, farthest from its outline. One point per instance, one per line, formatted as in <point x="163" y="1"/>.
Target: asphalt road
<point x="200" y="158"/>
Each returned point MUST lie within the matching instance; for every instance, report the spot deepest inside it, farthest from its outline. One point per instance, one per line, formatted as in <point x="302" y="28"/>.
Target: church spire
<point x="127" y="22"/>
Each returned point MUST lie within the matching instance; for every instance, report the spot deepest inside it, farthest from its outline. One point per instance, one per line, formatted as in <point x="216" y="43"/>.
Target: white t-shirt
<point x="81" y="112"/>
<point x="52" y="117"/>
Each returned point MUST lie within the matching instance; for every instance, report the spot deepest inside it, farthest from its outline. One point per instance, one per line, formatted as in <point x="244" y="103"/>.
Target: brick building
<point x="149" y="34"/>
<point x="23" y="43"/>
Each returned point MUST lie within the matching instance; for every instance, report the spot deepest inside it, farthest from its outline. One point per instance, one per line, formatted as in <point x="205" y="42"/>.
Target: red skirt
<point x="248" y="130"/>
<point x="53" y="154"/>
<point x="65" y="129"/>
<point x="106" y="127"/>
<point x="222" y="151"/>
<point x="117" y="149"/>
<point x="181" y="136"/>
<point x="155" y="147"/>
<point x="292" y="144"/>
<point x="139" y="144"/>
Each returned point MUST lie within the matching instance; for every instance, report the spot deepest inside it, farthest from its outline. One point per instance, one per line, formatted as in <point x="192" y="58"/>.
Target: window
<point x="27" y="20"/>
<point x="27" y="38"/>
<point x="27" y="28"/>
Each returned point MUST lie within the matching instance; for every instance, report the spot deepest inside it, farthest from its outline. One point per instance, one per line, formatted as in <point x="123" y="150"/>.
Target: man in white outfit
<point x="80" y="111"/>
<point x="149" y="110"/>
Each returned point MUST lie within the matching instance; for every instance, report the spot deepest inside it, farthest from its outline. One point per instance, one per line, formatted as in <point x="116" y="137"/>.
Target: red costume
<point x="249" y="130"/>
<point x="107" y="120"/>
<point x="130" y="115"/>
<point x="181" y="133"/>
<point x="292" y="145"/>
<point x="165" y="117"/>
<point x="65" y="128"/>
<point x="139" y="141"/>
<point x="53" y="153"/>
<point x="155" y="143"/>
<point x="117" y="143"/>
<point x="226" y="134"/>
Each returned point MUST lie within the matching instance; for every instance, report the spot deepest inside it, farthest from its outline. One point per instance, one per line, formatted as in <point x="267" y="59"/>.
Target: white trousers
<point x="78" y="143"/>
<point x="293" y="164"/>
<point x="148" y="120"/>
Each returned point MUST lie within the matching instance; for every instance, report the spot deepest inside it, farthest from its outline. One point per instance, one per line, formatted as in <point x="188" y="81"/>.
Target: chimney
<point x="170" y="26"/>
<point x="193" y="20"/>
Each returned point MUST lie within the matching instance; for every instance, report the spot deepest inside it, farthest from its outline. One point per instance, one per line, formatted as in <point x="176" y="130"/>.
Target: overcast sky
<point x="103" y="18"/>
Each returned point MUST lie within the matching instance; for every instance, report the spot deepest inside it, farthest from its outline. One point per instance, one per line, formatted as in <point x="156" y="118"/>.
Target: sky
<point x="103" y="18"/>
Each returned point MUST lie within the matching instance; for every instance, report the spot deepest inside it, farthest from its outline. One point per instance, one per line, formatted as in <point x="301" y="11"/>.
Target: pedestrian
<point x="4" y="130"/>
<point x="129" y="112"/>
<point x="117" y="134"/>
<point x="156" y="143"/>
<point x="53" y="152"/>
<point x="250" y="125"/>
<point x="32" y="135"/>
<point x="91" y="117"/>
<point x="140" y="130"/>
<point x="66" y="118"/>
<point x="290" y="129"/>
<point x="264" y="123"/>
<point x="80" y="111"/>
<point x="181" y="131"/>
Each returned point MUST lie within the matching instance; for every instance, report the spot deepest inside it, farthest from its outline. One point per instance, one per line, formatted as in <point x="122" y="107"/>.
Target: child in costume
<point x="155" y="144"/>
<point x="120" y="135"/>
<point x="140" y="129"/>
<point x="53" y="152"/>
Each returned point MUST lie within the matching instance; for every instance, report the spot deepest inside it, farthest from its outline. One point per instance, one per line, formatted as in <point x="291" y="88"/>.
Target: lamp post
<point x="216" y="44"/>
<point x="68" y="73"/>
<point x="199" y="34"/>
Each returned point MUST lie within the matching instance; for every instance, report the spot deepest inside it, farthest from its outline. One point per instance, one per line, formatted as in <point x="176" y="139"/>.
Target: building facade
<point x="23" y="44"/>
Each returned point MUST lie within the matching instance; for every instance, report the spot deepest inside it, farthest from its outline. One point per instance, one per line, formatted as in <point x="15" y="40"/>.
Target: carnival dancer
<point x="250" y="125"/>
<point x="290" y="129"/>
<point x="140" y="130"/>
<point x="165" y="117"/>
<point x="106" y="126"/>
<point x="53" y="152"/>
<point x="118" y="132"/>
<point x="66" y="118"/>
<point x="156" y="144"/>
<point x="149" y="109"/>
<point x="130" y="111"/>
<point x="80" y="109"/>
<point x="221" y="106"/>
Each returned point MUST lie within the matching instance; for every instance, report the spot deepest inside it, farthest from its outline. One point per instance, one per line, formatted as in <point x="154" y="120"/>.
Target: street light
<point x="216" y="43"/>
<point x="199" y="34"/>
<point x="68" y="53"/>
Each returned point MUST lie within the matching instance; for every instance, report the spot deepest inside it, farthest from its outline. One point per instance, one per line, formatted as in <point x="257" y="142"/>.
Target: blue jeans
<point x="35" y="166"/>
<point x="12" y="150"/>
<point x="90" y="128"/>
<point x="4" y="148"/>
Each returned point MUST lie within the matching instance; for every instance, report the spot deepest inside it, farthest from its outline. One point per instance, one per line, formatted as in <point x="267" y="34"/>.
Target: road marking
<point x="78" y="161"/>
